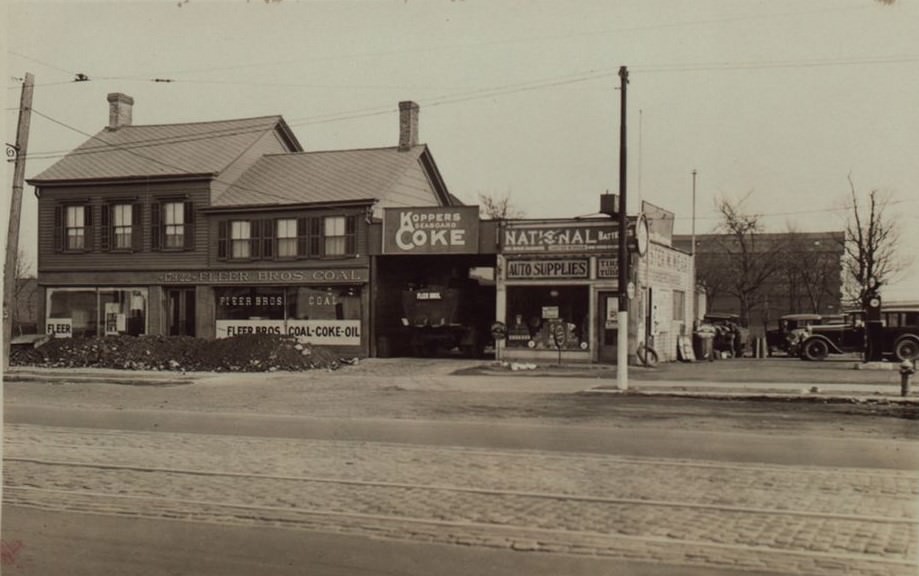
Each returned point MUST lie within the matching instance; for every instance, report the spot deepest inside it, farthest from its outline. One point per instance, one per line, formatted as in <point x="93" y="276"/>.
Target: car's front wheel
<point x="907" y="349"/>
<point x="815" y="349"/>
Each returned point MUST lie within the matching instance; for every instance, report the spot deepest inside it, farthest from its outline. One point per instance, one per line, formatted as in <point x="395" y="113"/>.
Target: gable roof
<point x="328" y="176"/>
<point x="190" y="149"/>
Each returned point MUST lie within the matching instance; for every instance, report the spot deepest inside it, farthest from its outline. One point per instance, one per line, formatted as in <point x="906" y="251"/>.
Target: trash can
<point x="703" y="345"/>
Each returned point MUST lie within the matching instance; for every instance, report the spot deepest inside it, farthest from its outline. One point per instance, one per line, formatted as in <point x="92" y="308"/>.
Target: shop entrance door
<point x="180" y="311"/>
<point x="607" y="326"/>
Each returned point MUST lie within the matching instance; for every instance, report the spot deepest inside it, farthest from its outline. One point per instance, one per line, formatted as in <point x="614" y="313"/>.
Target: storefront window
<point x="318" y="314"/>
<point x="548" y="317"/>
<point x="87" y="312"/>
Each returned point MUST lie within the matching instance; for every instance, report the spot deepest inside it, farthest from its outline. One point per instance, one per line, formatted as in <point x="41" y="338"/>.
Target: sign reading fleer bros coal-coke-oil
<point x="431" y="230"/>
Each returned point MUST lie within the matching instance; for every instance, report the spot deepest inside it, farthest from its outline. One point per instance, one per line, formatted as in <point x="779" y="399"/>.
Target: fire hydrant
<point x="907" y="369"/>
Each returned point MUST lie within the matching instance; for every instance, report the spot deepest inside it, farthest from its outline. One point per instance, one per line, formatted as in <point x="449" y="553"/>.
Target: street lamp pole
<point x="622" y="321"/>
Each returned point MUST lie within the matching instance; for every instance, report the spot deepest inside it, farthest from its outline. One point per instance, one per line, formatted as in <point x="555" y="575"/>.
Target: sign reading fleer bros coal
<point x="431" y="230"/>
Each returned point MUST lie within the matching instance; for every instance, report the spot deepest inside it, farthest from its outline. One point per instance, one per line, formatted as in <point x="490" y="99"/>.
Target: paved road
<point x="164" y="491"/>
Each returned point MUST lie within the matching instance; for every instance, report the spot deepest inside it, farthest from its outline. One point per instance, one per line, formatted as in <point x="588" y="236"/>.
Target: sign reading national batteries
<point x="431" y="230"/>
<point x="543" y="237"/>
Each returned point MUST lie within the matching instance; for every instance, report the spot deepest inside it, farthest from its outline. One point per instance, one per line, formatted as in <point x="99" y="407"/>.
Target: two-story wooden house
<point x="213" y="229"/>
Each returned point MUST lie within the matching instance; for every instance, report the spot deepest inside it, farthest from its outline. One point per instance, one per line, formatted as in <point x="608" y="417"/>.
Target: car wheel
<point x="907" y="349"/>
<point x="816" y="350"/>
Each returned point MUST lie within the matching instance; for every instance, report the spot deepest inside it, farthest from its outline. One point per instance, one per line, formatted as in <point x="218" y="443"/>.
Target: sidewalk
<point x="471" y="375"/>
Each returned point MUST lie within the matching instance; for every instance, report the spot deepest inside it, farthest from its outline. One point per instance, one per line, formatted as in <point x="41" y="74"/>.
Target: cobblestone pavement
<point x="789" y="519"/>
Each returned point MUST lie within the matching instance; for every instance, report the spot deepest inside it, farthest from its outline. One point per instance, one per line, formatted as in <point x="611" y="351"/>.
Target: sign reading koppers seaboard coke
<point x="431" y="230"/>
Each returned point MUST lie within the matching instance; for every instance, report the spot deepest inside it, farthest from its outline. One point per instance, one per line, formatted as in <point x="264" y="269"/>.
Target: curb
<point x="832" y="398"/>
<point x="141" y="379"/>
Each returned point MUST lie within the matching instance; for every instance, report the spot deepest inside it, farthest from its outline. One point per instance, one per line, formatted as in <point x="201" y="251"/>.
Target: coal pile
<point x="244" y="353"/>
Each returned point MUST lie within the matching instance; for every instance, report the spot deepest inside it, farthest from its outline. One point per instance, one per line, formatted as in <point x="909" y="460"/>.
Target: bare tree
<point x="498" y="207"/>
<point x="748" y="260"/>
<point x="872" y="236"/>
<point x="811" y="272"/>
<point x="24" y="291"/>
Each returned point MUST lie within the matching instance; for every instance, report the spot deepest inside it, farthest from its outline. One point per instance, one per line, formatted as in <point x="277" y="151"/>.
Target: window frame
<point x="160" y="226"/>
<point x="61" y="228"/>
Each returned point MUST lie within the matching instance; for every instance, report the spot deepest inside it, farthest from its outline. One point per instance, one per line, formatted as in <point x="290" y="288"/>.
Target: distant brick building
<point x="807" y="276"/>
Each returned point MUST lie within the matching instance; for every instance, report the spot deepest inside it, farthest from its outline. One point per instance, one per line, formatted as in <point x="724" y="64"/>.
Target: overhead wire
<point x="156" y="160"/>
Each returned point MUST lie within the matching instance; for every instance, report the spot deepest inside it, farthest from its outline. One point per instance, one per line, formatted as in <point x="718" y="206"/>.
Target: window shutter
<point x="222" y="240"/>
<point x="137" y="229"/>
<point x="189" y="226"/>
<point x="302" y="234"/>
<point x="269" y="227"/>
<point x="58" y="228"/>
<point x="315" y="248"/>
<point x="88" y="225"/>
<point x="105" y="224"/>
<point x="156" y="213"/>
<point x="351" y="235"/>
<point x="255" y="238"/>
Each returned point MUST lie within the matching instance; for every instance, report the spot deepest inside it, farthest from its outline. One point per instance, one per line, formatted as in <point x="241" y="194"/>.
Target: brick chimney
<point x="119" y="110"/>
<point x="408" y="125"/>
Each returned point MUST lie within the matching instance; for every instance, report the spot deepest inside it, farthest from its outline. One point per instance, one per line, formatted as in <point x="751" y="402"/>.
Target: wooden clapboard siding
<point x="362" y="239"/>
<point x="97" y="260"/>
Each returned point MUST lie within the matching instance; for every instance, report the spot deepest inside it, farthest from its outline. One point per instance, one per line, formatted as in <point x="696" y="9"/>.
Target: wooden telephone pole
<point x="622" y="342"/>
<point x="12" y="239"/>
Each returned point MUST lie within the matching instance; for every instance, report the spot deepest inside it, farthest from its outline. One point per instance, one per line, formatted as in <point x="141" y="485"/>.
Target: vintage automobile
<point x="779" y="339"/>
<point x="899" y="335"/>
<point x="730" y="337"/>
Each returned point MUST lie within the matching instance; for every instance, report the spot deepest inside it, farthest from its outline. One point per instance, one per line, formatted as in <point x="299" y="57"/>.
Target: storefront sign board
<point x="548" y="269"/>
<point x="431" y="230"/>
<point x="246" y="277"/>
<point x="522" y="238"/>
<point x="607" y="268"/>
<point x="319" y="332"/>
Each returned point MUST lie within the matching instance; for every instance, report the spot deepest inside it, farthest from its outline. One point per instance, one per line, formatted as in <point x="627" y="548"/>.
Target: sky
<point x="776" y="104"/>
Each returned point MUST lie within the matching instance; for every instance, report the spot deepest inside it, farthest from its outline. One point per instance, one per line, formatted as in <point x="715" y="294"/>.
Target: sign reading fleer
<point x="431" y="230"/>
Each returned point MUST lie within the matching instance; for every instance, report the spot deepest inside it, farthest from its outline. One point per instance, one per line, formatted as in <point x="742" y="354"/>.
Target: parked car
<point x="779" y="339"/>
<point x="899" y="335"/>
<point x="730" y="336"/>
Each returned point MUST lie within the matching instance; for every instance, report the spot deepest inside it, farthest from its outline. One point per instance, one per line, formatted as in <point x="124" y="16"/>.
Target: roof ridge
<point x="369" y="149"/>
<point x="167" y="124"/>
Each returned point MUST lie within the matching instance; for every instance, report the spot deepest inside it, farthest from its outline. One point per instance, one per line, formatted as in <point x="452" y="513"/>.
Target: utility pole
<point x="695" y="294"/>
<point x="12" y="242"/>
<point x="622" y="342"/>
<point x="12" y="239"/>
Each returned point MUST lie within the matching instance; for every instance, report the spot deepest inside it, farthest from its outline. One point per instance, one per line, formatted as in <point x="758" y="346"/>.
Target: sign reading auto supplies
<point x="431" y="230"/>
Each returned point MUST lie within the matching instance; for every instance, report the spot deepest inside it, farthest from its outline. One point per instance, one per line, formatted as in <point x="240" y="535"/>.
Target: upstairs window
<point x="73" y="230"/>
<point x="287" y="237"/>
<point x="173" y="225"/>
<point x="122" y="225"/>
<point x="121" y="229"/>
<point x="240" y="239"/>
<point x="76" y="227"/>
<point x="338" y="236"/>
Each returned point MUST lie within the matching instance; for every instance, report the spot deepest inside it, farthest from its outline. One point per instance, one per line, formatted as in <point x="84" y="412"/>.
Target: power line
<point x="156" y="160"/>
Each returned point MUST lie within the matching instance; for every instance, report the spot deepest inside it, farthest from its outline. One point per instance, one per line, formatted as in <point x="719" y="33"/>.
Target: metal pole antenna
<point x="622" y="342"/>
